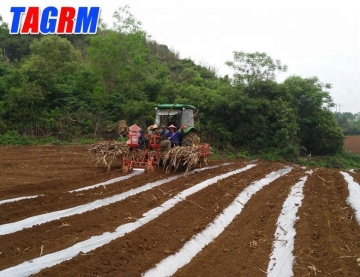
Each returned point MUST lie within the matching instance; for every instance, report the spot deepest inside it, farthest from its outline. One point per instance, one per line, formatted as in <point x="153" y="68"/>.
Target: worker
<point x="134" y="135"/>
<point x="151" y="129"/>
<point x="173" y="135"/>
<point x="165" y="144"/>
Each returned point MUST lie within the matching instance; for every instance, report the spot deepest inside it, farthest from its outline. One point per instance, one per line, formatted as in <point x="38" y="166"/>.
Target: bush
<point x="14" y="138"/>
<point x="343" y="161"/>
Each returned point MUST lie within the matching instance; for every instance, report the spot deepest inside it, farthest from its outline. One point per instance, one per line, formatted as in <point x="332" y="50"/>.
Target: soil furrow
<point x="142" y="248"/>
<point x="356" y="176"/>
<point x="246" y="245"/>
<point x="18" y="210"/>
<point x="63" y="233"/>
<point x="327" y="240"/>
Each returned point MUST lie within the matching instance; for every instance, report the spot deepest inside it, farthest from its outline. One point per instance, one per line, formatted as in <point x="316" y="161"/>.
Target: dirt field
<point x="195" y="225"/>
<point x="352" y="144"/>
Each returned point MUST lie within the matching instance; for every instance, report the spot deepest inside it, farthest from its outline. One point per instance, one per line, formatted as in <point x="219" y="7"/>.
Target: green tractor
<point x="190" y="152"/>
<point x="182" y="116"/>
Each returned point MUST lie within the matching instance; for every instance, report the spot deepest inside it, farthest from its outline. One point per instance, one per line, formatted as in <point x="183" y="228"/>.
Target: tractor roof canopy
<point x="172" y="106"/>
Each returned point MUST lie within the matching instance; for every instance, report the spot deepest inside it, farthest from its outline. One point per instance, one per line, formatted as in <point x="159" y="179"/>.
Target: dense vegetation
<point x="349" y="123"/>
<point x="79" y="86"/>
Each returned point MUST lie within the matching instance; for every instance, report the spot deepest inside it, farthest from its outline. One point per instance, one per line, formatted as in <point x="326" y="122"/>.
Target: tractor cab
<point x="180" y="115"/>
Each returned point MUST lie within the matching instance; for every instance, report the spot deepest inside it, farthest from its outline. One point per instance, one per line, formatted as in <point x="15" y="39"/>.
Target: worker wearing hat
<point x="152" y="129"/>
<point x="173" y="135"/>
<point x="134" y="135"/>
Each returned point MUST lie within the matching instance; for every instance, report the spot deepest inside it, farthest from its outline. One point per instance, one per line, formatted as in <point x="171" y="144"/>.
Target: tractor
<point x="182" y="116"/>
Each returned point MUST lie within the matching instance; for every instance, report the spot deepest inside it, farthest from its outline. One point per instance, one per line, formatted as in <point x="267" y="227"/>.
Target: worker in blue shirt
<point x="173" y="136"/>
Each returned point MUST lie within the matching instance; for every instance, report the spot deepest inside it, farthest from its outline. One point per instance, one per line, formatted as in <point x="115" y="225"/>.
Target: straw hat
<point x="134" y="128"/>
<point x="172" y="126"/>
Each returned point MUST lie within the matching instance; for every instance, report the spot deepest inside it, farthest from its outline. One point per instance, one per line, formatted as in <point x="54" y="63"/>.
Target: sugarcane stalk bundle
<point x="185" y="156"/>
<point x="106" y="152"/>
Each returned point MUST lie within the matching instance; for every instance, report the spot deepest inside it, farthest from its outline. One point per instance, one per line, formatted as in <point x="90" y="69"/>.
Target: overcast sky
<point x="313" y="37"/>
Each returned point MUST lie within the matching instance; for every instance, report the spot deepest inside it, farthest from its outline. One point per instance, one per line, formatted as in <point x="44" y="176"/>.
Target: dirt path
<point x="327" y="238"/>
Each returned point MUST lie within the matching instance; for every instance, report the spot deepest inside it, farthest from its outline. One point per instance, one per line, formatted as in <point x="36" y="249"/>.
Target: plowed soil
<point x="326" y="243"/>
<point x="352" y="144"/>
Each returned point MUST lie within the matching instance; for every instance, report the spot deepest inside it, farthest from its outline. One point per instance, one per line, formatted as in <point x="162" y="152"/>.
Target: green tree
<point x="349" y="123"/>
<point x="118" y="59"/>
<point x="250" y="67"/>
<point x="53" y="65"/>
<point x="25" y="109"/>
<point x="125" y="22"/>
<point x="49" y="90"/>
<point x="318" y="132"/>
<point x="14" y="47"/>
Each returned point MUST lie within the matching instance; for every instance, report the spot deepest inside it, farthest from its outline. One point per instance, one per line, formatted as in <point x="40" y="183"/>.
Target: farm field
<point x="352" y="144"/>
<point x="62" y="216"/>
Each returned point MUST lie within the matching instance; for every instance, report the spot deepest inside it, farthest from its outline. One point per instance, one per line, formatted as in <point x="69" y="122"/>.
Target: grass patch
<point x="14" y="138"/>
<point x="84" y="141"/>
<point x="341" y="161"/>
<point x="272" y="157"/>
<point x="231" y="154"/>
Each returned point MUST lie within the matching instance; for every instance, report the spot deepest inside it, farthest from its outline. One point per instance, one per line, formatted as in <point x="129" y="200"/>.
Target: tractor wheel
<point x="190" y="139"/>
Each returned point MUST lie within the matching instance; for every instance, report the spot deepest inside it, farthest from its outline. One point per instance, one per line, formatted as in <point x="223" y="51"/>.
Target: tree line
<point x="349" y="122"/>
<point x="80" y="86"/>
